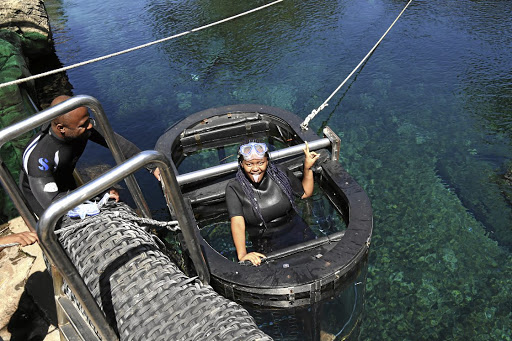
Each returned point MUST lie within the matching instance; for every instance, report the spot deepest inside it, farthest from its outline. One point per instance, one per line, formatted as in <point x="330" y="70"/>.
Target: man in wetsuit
<point x="51" y="156"/>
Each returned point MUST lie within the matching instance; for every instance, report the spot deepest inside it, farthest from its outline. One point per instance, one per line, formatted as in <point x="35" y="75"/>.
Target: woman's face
<point x="255" y="168"/>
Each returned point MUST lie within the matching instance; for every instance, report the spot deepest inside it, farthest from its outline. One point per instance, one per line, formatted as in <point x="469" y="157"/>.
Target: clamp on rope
<point x="304" y="125"/>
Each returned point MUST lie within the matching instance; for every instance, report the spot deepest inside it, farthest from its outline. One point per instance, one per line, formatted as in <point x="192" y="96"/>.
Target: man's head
<point x="75" y="124"/>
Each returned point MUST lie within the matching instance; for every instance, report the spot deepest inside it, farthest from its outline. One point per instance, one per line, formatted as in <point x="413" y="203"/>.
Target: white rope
<point x="94" y="60"/>
<point x="304" y="125"/>
<point x="171" y="225"/>
<point x="8" y="245"/>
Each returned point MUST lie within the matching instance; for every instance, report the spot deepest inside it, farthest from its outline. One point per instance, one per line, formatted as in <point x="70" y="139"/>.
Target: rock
<point x="27" y="308"/>
<point x="508" y="177"/>
<point x="29" y="19"/>
<point x="15" y="267"/>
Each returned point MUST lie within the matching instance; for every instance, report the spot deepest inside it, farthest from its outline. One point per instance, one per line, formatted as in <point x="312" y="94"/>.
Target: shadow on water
<point x="492" y="217"/>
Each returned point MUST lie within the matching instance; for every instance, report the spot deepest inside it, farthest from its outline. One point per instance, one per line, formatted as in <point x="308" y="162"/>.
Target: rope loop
<point x="171" y="225"/>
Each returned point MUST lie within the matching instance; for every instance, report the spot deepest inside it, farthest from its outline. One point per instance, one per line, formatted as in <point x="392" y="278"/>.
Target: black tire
<point x="142" y="293"/>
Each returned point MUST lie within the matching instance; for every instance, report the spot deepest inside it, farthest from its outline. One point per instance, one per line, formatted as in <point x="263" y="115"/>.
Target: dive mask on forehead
<point x="253" y="150"/>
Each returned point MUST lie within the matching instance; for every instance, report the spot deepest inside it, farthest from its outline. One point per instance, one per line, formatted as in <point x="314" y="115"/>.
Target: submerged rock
<point x="508" y="177"/>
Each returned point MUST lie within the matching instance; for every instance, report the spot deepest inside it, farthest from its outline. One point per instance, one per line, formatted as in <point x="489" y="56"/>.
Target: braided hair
<point x="276" y="174"/>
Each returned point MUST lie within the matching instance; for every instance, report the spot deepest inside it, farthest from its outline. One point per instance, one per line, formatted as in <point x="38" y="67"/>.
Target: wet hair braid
<point x="277" y="175"/>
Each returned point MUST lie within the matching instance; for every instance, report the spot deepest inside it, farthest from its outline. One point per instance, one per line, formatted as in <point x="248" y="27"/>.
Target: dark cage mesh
<point x="142" y="293"/>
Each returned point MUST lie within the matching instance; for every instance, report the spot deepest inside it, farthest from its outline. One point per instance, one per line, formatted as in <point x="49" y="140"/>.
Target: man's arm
<point x="128" y="148"/>
<point x="39" y="167"/>
<point x="45" y="190"/>
<point x="22" y="238"/>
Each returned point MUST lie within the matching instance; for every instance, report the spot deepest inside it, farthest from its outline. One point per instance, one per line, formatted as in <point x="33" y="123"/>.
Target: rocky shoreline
<point x="27" y="306"/>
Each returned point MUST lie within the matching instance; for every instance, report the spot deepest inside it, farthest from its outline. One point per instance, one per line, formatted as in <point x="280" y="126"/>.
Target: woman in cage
<point x="261" y="201"/>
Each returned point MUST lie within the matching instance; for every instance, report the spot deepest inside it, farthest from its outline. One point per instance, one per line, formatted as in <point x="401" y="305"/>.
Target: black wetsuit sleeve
<point x="45" y="190"/>
<point x="233" y="202"/>
<point x="40" y="174"/>
<point x="128" y="148"/>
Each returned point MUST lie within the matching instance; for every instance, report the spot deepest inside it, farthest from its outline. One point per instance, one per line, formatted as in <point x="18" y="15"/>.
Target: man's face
<point x="77" y="124"/>
<point x="255" y="168"/>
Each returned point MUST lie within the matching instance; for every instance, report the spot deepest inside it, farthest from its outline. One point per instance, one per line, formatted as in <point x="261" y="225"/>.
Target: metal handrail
<point x="232" y="166"/>
<point x="9" y="133"/>
<point x="53" y="249"/>
<point x="124" y="170"/>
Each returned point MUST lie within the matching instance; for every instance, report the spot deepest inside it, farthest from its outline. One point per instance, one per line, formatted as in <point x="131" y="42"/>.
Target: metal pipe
<point x="232" y="166"/>
<point x="186" y="220"/>
<point x="51" y="246"/>
<point x="94" y="105"/>
<point x="49" y="114"/>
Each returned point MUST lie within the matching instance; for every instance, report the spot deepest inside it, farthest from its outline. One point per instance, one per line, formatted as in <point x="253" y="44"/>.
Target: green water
<point x="425" y="126"/>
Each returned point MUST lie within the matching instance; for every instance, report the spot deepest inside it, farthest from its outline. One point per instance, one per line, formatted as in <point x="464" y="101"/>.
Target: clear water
<point x="425" y="126"/>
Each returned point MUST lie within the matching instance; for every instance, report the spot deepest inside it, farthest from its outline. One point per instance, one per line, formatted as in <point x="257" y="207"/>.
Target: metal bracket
<point x="291" y="296"/>
<point x="335" y="143"/>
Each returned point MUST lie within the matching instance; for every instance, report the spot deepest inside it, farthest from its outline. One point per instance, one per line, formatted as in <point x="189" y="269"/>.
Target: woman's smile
<point x="256" y="177"/>
<point x="255" y="168"/>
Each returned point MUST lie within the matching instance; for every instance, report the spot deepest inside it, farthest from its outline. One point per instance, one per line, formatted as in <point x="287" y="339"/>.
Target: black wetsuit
<point x="284" y="227"/>
<point x="49" y="161"/>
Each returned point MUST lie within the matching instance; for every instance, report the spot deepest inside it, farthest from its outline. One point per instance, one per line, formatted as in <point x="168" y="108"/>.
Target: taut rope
<point x="94" y="60"/>
<point x="304" y="125"/>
